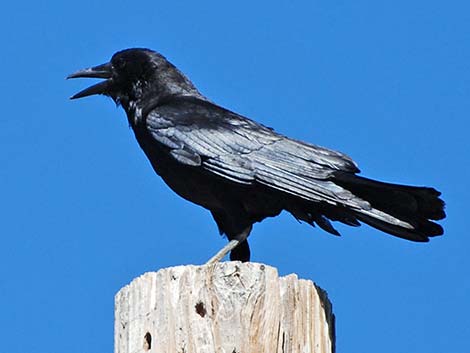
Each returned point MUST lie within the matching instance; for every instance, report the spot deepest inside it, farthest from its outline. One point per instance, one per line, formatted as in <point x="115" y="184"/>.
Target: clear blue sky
<point x="387" y="82"/>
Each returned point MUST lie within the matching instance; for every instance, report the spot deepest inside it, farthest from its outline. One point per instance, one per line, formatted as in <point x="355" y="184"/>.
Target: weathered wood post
<point x="230" y="307"/>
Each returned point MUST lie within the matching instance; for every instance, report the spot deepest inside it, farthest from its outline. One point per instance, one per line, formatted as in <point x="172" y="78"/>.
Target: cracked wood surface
<point x="231" y="307"/>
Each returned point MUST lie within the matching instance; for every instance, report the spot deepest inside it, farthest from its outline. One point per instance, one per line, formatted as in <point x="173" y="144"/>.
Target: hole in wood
<point x="147" y="341"/>
<point x="200" y="309"/>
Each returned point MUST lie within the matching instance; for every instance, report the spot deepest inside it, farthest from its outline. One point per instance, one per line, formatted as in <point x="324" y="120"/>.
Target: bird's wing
<point x="201" y="134"/>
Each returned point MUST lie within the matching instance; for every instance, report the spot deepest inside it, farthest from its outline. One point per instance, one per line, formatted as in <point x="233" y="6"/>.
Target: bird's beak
<point x="100" y="71"/>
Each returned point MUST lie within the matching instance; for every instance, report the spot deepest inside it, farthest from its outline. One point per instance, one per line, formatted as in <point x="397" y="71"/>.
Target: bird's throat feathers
<point x="155" y="88"/>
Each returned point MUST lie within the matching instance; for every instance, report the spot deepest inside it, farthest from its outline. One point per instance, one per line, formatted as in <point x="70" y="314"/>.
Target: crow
<point x="243" y="171"/>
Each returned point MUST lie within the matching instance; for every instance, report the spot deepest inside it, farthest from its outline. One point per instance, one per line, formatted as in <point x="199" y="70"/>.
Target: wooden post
<point x="230" y="307"/>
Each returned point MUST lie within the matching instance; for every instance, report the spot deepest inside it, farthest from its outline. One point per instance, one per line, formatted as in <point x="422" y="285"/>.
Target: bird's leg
<point x="229" y="247"/>
<point x="222" y="252"/>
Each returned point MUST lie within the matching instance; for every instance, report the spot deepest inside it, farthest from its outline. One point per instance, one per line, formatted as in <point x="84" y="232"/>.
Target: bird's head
<point x="136" y="75"/>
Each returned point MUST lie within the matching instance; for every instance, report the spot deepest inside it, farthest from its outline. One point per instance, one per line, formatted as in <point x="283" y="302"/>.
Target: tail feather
<point x="416" y="206"/>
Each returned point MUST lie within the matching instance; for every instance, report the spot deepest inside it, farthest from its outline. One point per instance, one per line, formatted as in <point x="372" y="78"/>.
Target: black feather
<point x="243" y="171"/>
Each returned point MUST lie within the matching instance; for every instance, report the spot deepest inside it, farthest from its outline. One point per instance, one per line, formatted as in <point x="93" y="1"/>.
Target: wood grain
<point x="230" y="307"/>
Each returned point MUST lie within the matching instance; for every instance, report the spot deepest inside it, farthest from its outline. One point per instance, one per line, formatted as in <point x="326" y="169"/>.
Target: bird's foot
<point x="224" y="251"/>
<point x="229" y="247"/>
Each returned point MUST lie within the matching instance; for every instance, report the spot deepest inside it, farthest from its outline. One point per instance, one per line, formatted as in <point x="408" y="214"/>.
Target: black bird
<point x="242" y="171"/>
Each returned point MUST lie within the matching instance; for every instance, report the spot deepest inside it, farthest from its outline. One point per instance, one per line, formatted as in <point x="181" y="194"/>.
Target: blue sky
<point x="83" y="213"/>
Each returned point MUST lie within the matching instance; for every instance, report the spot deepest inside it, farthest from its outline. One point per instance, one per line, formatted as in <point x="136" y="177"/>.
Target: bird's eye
<point x="120" y="64"/>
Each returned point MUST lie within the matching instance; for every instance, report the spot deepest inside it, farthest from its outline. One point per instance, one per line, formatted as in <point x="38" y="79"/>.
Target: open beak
<point x="100" y="71"/>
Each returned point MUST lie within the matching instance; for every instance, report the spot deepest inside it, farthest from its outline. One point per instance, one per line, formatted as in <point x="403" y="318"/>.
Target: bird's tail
<point x="404" y="211"/>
